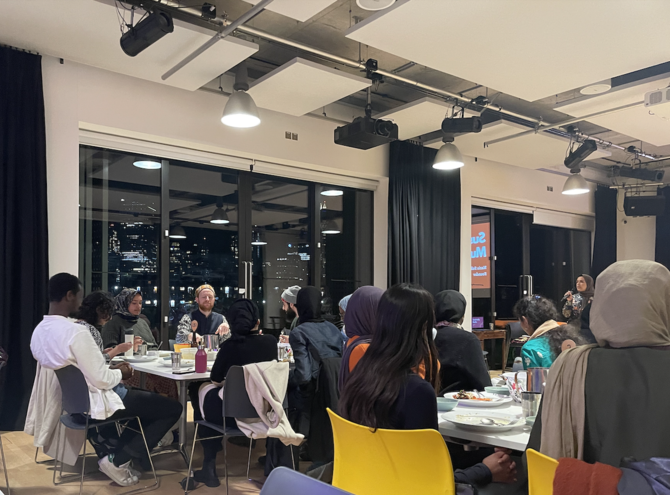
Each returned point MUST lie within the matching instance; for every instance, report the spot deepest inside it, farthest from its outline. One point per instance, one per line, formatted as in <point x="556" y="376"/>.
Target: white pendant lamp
<point x="331" y="191"/>
<point x="147" y="164"/>
<point x="258" y="239"/>
<point x="241" y="110"/>
<point x="177" y="232"/>
<point x="219" y="217"/>
<point x="374" y="4"/>
<point x="576" y="184"/>
<point x="330" y="227"/>
<point x="448" y="158"/>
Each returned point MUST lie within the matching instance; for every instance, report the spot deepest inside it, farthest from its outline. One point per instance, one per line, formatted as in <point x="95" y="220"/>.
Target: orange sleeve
<point x="356" y="355"/>
<point x="421" y="370"/>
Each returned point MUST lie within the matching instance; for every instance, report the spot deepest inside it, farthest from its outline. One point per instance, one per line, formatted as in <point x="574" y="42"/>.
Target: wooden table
<point x="483" y="335"/>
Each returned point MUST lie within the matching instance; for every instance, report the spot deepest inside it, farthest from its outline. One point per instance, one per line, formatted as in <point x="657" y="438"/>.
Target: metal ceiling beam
<point x="247" y="16"/>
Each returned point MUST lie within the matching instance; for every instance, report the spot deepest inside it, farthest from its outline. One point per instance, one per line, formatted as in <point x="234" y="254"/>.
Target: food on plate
<point x="463" y="395"/>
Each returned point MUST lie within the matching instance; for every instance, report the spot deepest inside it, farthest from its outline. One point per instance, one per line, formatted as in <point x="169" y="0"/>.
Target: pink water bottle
<point x="201" y="360"/>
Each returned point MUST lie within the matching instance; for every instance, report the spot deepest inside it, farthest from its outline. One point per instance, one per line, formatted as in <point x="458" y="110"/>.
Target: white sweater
<point x="58" y="342"/>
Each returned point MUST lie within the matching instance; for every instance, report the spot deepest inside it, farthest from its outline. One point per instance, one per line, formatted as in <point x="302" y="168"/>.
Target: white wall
<point x="483" y="179"/>
<point x="636" y="236"/>
<point x="82" y="97"/>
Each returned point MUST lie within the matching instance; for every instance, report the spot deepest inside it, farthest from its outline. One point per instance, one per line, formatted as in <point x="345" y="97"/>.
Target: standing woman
<point x="575" y="303"/>
<point x="384" y="391"/>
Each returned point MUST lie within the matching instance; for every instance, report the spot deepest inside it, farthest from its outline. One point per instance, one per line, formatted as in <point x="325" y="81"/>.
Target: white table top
<point x="515" y="439"/>
<point x="154" y="368"/>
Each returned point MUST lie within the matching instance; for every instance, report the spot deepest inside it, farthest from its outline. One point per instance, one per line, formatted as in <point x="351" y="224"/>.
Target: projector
<point x="365" y="133"/>
<point x="658" y="103"/>
<point x="655" y="175"/>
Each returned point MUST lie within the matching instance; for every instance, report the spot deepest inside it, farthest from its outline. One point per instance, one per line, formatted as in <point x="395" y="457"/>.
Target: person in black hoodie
<point x="462" y="365"/>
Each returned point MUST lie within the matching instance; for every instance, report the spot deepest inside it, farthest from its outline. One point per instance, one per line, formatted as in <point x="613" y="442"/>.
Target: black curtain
<point x="424" y="220"/>
<point x="604" y="244"/>
<point x="663" y="231"/>
<point x="23" y="212"/>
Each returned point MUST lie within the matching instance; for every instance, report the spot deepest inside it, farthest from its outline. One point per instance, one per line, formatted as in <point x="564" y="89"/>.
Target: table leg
<point x="505" y="353"/>
<point x="183" y="421"/>
<point x="143" y="380"/>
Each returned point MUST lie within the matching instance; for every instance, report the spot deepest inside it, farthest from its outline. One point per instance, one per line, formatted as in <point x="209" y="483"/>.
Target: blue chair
<point x="284" y="481"/>
<point x="172" y="342"/>
<point x="236" y="404"/>
<point x="77" y="404"/>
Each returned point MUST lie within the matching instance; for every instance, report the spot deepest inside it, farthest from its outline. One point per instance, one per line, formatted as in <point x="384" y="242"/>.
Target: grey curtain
<point x="424" y="220"/>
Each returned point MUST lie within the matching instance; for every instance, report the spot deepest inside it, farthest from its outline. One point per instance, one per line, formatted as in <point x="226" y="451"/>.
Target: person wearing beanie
<point x="288" y="298"/>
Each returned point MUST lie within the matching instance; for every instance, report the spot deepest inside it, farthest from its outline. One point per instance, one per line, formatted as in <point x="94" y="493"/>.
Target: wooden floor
<point x="28" y="478"/>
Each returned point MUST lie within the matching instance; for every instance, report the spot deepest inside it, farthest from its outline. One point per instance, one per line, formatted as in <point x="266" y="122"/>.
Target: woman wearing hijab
<point x="127" y="309"/>
<point x="462" y="365"/>
<point x="537" y="316"/>
<point x="246" y="345"/>
<point x="575" y="303"/>
<point x="608" y="401"/>
<point x="360" y="320"/>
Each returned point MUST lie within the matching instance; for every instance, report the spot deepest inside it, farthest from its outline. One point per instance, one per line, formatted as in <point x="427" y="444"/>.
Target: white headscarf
<point x="631" y="308"/>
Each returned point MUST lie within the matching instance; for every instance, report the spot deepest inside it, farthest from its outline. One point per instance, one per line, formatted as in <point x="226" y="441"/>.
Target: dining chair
<point x="75" y="416"/>
<point x="236" y="404"/>
<point x="172" y="342"/>
<point x="285" y="481"/>
<point x="391" y="462"/>
<point x="541" y="473"/>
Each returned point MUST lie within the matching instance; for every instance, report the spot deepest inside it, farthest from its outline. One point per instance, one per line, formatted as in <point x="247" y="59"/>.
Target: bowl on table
<point x="188" y="354"/>
<point x="497" y="390"/>
<point x="445" y="404"/>
<point x="530" y="420"/>
<point x="211" y="355"/>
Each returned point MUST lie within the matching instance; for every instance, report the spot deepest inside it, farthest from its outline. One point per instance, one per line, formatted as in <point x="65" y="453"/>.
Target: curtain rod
<point x="19" y="49"/>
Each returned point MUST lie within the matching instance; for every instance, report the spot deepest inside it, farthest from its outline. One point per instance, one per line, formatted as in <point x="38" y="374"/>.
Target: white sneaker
<point x="167" y="439"/>
<point x="133" y="472"/>
<point x="120" y="475"/>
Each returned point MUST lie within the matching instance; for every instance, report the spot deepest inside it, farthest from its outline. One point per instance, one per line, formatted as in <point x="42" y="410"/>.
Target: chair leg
<point x="225" y="454"/>
<point x="83" y="459"/>
<point x="4" y="466"/>
<point x="190" y="460"/>
<point x="251" y="442"/>
<point x="146" y="446"/>
<point x="58" y="426"/>
<point x="292" y="456"/>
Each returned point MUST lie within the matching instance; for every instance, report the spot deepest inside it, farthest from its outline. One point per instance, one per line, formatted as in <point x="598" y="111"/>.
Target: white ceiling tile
<point x="419" y="117"/>
<point x="300" y="86"/>
<point x="531" y="151"/>
<point x="526" y="48"/>
<point x="300" y="10"/>
<point x="635" y="122"/>
<point x="87" y="32"/>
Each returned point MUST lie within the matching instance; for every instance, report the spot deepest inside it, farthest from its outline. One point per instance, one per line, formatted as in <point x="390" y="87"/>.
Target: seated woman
<point x="383" y="391"/>
<point x="462" y="365"/>
<point x="537" y="316"/>
<point x="609" y="401"/>
<point x="360" y="321"/>
<point x="96" y="309"/>
<point x="245" y="346"/>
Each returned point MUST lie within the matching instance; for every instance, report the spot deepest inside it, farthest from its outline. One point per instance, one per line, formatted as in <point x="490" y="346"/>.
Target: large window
<point x="165" y="227"/>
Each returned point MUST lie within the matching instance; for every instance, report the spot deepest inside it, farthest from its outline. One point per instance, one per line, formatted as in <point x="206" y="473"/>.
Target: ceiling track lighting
<point x="177" y="232"/>
<point x="576" y="184"/>
<point x="147" y="164"/>
<point x="241" y="110"/>
<point x="575" y="158"/>
<point x="146" y="32"/>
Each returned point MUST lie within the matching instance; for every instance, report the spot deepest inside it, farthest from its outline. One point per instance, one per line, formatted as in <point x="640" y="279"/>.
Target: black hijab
<point x="308" y="303"/>
<point x="242" y="318"/>
<point x="449" y="306"/>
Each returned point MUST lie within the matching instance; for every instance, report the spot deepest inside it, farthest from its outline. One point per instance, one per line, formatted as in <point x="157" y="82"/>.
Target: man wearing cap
<point x="288" y="298"/>
<point x="204" y="321"/>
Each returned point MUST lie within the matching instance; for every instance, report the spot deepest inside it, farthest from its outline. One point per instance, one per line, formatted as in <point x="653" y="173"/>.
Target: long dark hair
<point x="97" y="304"/>
<point x="402" y="342"/>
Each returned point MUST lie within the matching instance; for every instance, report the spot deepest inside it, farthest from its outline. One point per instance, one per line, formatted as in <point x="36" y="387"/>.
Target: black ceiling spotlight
<point x="146" y="32"/>
<point x="640" y="173"/>
<point x="575" y="158"/>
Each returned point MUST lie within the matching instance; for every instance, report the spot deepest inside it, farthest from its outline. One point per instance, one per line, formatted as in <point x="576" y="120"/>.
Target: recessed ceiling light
<point x="374" y="4"/>
<point x="596" y="89"/>
<point x="332" y="192"/>
<point x="147" y="164"/>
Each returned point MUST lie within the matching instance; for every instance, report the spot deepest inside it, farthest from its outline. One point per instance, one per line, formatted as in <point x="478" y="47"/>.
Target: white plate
<point x="494" y="402"/>
<point x="140" y="359"/>
<point x="185" y="363"/>
<point x="471" y="420"/>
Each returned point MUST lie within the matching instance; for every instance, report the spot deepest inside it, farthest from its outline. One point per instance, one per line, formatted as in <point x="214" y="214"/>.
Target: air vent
<point x="658" y="103"/>
<point x="655" y="97"/>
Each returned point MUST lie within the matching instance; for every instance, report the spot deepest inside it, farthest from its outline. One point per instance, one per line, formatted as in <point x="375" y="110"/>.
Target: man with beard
<point x="205" y="321"/>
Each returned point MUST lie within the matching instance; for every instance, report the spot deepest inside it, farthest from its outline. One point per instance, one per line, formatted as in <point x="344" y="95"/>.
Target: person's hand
<point x="223" y="329"/>
<point x="137" y="343"/>
<point x="568" y="296"/>
<point x="504" y="451"/>
<point x="198" y="337"/>
<point x="126" y="370"/>
<point x="503" y="469"/>
<point x="283" y="339"/>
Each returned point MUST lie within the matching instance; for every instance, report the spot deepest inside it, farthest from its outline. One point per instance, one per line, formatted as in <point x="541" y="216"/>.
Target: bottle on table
<point x="130" y="337"/>
<point x="201" y="360"/>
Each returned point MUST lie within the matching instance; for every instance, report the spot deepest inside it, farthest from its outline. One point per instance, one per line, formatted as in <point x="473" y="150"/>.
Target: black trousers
<point x="157" y="414"/>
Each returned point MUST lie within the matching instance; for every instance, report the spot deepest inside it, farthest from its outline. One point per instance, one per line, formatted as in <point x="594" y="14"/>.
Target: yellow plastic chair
<point x="388" y="462"/>
<point x="541" y="473"/>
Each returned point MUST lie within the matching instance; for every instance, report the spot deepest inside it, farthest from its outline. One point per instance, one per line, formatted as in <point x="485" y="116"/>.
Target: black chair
<point x="514" y="331"/>
<point x="77" y="404"/>
<point x="236" y="404"/>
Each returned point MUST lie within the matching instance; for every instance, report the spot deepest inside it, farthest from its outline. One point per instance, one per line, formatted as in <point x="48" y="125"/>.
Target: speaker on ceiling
<point x="644" y="206"/>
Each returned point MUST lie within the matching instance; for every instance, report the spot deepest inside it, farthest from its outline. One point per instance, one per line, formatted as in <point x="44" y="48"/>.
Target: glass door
<point x="203" y="237"/>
